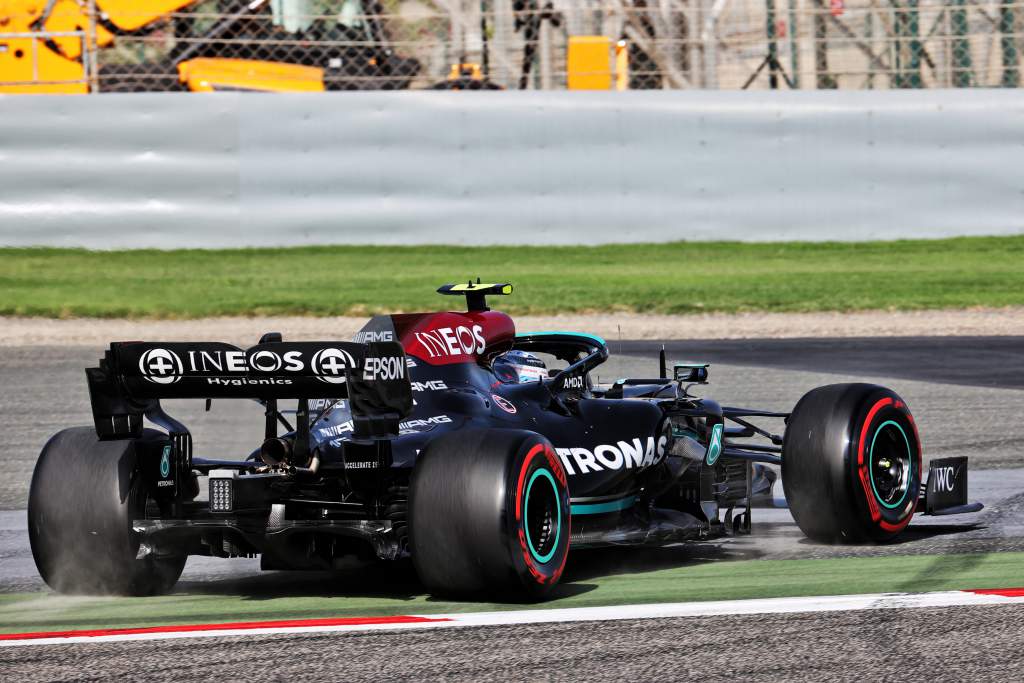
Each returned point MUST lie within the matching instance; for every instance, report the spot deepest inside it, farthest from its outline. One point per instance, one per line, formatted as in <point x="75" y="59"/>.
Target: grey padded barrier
<point x="241" y="169"/>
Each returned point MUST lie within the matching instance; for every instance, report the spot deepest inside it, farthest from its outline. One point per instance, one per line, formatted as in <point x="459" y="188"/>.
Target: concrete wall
<point x="240" y="169"/>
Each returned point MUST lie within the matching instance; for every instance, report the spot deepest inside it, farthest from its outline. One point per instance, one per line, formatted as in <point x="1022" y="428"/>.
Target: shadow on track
<point x="398" y="581"/>
<point x="395" y="580"/>
<point x="386" y="580"/>
<point x="927" y="531"/>
<point x="912" y="534"/>
<point x="600" y="562"/>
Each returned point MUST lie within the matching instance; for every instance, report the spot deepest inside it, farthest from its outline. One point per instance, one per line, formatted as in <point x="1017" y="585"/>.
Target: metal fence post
<point x="869" y="33"/>
<point x="908" y="72"/>
<point x="824" y="80"/>
<point x="898" y="42"/>
<point x="545" y="58"/>
<point x="916" y="48"/>
<point x="773" y="46"/>
<point x="961" y="46"/>
<point x="1008" y="46"/>
<point x="709" y="41"/>
<point x="91" y="51"/>
<point x="794" y="48"/>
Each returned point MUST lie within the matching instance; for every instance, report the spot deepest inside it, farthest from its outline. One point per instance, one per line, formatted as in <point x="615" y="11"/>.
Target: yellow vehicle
<point x="204" y="74"/>
<point x="45" y="48"/>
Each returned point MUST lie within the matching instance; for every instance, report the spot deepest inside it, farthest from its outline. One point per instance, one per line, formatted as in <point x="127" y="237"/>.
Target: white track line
<point x="830" y="603"/>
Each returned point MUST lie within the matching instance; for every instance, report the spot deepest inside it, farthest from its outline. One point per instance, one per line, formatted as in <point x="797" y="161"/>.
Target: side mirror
<point x="691" y="373"/>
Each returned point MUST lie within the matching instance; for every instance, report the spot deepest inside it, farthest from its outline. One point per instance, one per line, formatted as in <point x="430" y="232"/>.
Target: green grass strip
<point x="681" y="277"/>
<point x="600" y="578"/>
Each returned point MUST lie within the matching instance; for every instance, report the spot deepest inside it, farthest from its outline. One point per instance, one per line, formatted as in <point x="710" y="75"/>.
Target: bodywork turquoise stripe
<point x="601" y="508"/>
<point x="593" y="337"/>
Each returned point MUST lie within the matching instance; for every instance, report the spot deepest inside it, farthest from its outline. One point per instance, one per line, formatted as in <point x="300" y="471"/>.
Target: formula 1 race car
<point x="483" y="454"/>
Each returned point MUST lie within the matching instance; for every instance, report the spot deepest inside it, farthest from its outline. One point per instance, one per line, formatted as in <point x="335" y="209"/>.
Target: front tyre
<point x="84" y="496"/>
<point x="851" y="464"/>
<point x="489" y="513"/>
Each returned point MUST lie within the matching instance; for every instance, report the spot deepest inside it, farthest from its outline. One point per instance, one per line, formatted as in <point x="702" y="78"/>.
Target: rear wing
<point x="132" y="377"/>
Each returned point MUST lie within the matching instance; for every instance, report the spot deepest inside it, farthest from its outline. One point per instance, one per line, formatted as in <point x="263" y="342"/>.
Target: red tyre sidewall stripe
<point x="862" y="468"/>
<point x="893" y="528"/>
<point x="867" y="423"/>
<point x="920" y="455"/>
<point x="559" y="472"/>
<point x="521" y="484"/>
<point x="876" y="514"/>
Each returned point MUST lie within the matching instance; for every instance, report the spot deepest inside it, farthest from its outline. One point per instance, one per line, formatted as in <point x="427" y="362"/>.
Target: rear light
<point x="222" y="491"/>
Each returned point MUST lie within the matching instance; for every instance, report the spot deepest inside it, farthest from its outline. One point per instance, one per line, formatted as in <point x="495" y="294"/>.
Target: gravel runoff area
<point x="944" y="644"/>
<point x="966" y="322"/>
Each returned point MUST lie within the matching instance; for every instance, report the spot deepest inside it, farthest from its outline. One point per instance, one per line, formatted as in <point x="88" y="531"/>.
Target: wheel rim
<point x="892" y="467"/>
<point x="543" y="518"/>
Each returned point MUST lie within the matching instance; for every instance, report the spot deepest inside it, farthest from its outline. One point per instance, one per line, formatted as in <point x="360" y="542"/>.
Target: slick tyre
<point x="85" y="493"/>
<point x="489" y="513"/>
<point x="851" y="464"/>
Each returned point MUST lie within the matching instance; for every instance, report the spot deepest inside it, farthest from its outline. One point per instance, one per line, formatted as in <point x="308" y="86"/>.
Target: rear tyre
<point x="851" y="464"/>
<point x="84" y="496"/>
<point x="489" y="513"/>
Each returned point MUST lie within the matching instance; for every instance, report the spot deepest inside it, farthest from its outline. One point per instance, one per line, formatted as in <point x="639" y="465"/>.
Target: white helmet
<point x="519" y="366"/>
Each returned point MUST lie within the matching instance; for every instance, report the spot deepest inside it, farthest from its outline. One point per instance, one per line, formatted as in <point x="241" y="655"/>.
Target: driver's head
<point x="519" y="366"/>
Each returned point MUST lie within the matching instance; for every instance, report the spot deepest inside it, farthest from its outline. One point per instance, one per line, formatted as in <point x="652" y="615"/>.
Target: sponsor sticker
<point x="341" y="431"/>
<point x="367" y="336"/>
<point x="504" y="404"/>
<point x="266" y="361"/>
<point x="165" y="462"/>
<point x="947" y="483"/>
<point x="429" y="385"/>
<point x="715" y="444"/>
<point x="632" y="454"/>
<point x="247" y="381"/>
<point x="163" y="366"/>
<point x="422" y="425"/>
<point x="572" y="382"/>
<point x="335" y="430"/>
<point x="319" y="404"/>
<point x="445" y="342"/>
<point x="384" y="368"/>
<point x="330" y="364"/>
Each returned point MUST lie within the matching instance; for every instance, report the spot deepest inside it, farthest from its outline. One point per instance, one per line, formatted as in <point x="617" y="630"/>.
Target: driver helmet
<point x="516" y="367"/>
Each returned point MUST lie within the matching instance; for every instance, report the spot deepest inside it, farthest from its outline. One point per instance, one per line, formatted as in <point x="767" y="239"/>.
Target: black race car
<point x="451" y="438"/>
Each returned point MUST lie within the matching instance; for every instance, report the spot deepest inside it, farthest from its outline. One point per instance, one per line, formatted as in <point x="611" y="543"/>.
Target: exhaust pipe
<point x="276" y="451"/>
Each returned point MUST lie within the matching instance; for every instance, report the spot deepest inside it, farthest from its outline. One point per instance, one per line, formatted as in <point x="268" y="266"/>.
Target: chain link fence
<point x="157" y="45"/>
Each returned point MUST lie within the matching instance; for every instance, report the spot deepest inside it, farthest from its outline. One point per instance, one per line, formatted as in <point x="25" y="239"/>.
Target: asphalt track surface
<point x="946" y="644"/>
<point x="971" y="361"/>
<point x="965" y="392"/>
